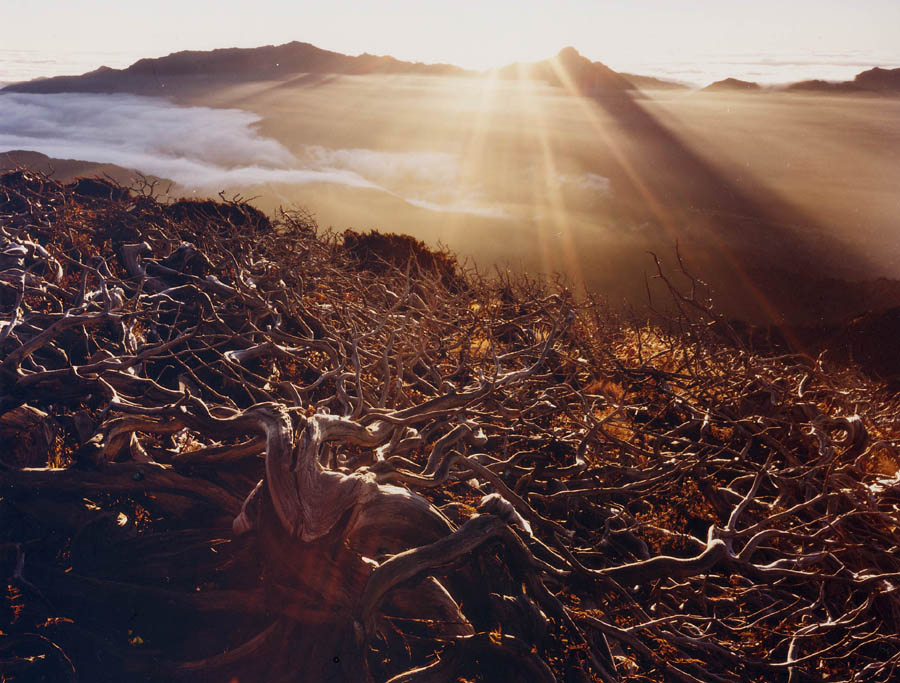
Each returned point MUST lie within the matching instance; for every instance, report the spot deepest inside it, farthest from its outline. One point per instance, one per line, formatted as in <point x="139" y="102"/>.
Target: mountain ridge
<point x="278" y="62"/>
<point x="876" y="80"/>
<point x="568" y="69"/>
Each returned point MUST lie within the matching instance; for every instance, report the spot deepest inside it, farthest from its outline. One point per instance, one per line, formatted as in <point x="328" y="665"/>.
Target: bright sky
<point x="472" y="33"/>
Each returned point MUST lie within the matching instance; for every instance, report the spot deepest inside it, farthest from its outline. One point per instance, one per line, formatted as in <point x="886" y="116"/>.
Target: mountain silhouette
<point x="877" y="80"/>
<point x="572" y="71"/>
<point x="271" y="62"/>
<point x="731" y="85"/>
<point x="191" y="68"/>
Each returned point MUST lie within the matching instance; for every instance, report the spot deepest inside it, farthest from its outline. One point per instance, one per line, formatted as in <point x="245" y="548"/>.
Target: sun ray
<point x="560" y="217"/>
<point x="656" y="204"/>
<point x="528" y="103"/>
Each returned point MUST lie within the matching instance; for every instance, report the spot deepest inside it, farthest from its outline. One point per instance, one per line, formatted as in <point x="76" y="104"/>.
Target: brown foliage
<point x="380" y="252"/>
<point x="251" y="458"/>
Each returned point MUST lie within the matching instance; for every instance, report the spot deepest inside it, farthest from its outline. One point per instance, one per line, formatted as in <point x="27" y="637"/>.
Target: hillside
<point x="652" y="83"/>
<point x="243" y="449"/>
<point x="69" y="170"/>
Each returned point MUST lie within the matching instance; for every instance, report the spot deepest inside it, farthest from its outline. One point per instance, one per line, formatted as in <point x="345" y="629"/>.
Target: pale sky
<point x="471" y="33"/>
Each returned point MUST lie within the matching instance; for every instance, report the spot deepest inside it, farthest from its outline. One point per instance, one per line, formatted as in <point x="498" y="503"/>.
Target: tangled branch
<point x="238" y="448"/>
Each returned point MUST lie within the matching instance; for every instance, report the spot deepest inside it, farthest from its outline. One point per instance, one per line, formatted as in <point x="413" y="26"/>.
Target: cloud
<point x="197" y="147"/>
<point x="595" y="182"/>
<point x="462" y="206"/>
<point x="436" y="168"/>
<point x="428" y="180"/>
<point x="207" y="149"/>
<point x="592" y="182"/>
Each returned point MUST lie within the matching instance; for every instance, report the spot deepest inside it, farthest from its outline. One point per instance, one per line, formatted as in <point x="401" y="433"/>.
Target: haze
<point x="466" y="32"/>
<point x="759" y="190"/>
<point x="585" y="186"/>
<point x="772" y="197"/>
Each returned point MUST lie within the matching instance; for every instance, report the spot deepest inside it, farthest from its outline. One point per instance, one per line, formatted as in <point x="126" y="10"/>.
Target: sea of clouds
<point x="197" y="147"/>
<point x="206" y="150"/>
<point x="697" y="69"/>
<point x="766" y="67"/>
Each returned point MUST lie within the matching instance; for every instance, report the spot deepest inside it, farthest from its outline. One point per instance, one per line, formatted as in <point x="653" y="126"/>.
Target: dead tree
<point x="237" y="449"/>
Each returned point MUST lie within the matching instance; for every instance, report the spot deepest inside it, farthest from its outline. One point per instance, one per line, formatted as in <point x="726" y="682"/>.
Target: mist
<point x="206" y="150"/>
<point x="765" y="194"/>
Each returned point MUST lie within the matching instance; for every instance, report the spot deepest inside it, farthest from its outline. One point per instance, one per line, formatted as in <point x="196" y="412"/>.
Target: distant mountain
<point x="272" y="62"/>
<point x="731" y="85"/>
<point x="877" y="80"/>
<point x="278" y="61"/>
<point x="819" y="86"/>
<point x="192" y="69"/>
<point x="571" y="71"/>
<point x="282" y="62"/>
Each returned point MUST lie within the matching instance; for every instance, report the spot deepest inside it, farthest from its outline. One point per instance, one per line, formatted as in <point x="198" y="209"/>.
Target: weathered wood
<point x="429" y="479"/>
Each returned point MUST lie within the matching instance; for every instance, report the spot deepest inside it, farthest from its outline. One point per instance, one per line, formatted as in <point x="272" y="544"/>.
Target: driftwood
<point x="235" y="450"/>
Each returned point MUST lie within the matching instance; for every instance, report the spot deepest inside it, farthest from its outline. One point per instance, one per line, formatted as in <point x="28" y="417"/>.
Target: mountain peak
<point x="879" y="79"/>
<point x="731" y="84"/>
<point x="569" y="54"/>
<point x="571" y="70"/>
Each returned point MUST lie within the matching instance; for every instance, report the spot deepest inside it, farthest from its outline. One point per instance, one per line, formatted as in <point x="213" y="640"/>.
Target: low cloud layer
<point x="590" y="182"/>
<point x="207" y="149"/>
<point x="197" y="147"/>
<point x="435" y="168"/>
<point x="770" y="68"/>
